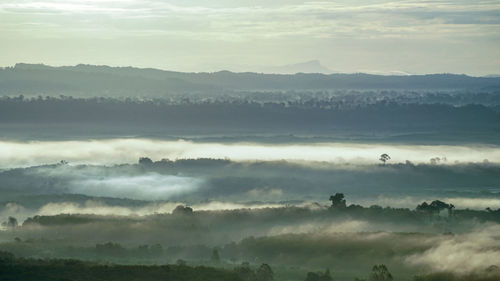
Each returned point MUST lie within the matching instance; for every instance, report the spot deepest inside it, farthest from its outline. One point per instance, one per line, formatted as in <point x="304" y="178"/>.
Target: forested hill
<point x="248" y="115"/>
<point x="126" y="81"/>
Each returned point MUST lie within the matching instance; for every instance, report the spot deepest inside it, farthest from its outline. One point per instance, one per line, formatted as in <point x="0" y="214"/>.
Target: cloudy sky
<point x="202" y="35"/>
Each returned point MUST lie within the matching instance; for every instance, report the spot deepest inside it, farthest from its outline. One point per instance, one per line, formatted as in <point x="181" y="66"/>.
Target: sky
<point x="252" y="35"/>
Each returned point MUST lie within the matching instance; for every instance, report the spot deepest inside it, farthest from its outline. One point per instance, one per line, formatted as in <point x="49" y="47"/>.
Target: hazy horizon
<point x="274" y="69"/>
<point x="250" y="140"/>
<point x="201" y="36"/>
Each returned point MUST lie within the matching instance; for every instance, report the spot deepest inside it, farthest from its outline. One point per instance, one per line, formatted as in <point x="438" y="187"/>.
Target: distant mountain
<point x="313" y="66"/>
<point x="83" y="80"/>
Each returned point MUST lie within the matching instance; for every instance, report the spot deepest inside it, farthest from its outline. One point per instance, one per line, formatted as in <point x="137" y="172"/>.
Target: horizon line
<point x="492" y="75"/>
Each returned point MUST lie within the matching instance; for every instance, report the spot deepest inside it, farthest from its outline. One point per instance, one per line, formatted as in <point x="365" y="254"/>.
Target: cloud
<point x="113" y="151"/>
<point x="462" y="253"/>
<point x="265" y="192"/>
<point x="348" y="35"/>
<point x="12" y="210"/>
<point x="97" y="207"/>
<point x="323" y="228"/>
<point x="260" y="20"/>
<point x="412" y="201"/>
<point x="217" y="205"/>
<point x="100" y="208"/>
<point x="145" y="187"/>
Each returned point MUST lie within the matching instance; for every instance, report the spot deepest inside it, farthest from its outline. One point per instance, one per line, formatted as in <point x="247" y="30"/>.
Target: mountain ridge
<point x="133" y="81"/>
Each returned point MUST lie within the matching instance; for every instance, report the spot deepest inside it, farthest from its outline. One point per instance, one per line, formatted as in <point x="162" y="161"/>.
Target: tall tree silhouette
<point x="384" y="158"/>
<point x="338" y="201"/>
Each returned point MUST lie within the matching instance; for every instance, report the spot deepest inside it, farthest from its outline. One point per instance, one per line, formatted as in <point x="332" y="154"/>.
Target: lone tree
<point x="338" y="201"/>
<point x="384" y="158"/>
<point x="380" y="273"/>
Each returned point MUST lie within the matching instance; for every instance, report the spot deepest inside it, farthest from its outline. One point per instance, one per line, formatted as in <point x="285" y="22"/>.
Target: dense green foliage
<point x="74" y="270"/>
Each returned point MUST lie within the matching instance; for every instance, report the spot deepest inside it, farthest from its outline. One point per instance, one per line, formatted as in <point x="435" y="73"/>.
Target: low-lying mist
<point x="312" y="238"/>
<point x="98" y="207"/>
<point x="146" y="208"/>
<point x="145" y="187"/>
<point x="463" y="253"/>
<point x="113" y="151"/>
<point x="210" y="184"/>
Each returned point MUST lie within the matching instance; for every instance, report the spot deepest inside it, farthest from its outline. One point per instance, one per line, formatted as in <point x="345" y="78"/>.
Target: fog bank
<point x="113" y="151"/>
<point x="463" y="253"/>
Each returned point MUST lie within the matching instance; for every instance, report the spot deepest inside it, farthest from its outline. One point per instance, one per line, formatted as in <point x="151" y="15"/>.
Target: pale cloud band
<point x="116" y="151"/>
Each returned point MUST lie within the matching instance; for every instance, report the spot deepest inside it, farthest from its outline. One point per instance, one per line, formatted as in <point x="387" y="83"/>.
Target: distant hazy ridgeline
<point x="226" y="103"/>
<point x="127" y="81"/>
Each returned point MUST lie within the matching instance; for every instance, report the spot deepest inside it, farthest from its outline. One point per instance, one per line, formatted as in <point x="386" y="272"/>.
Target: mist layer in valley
<point x="315" y="176"/>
